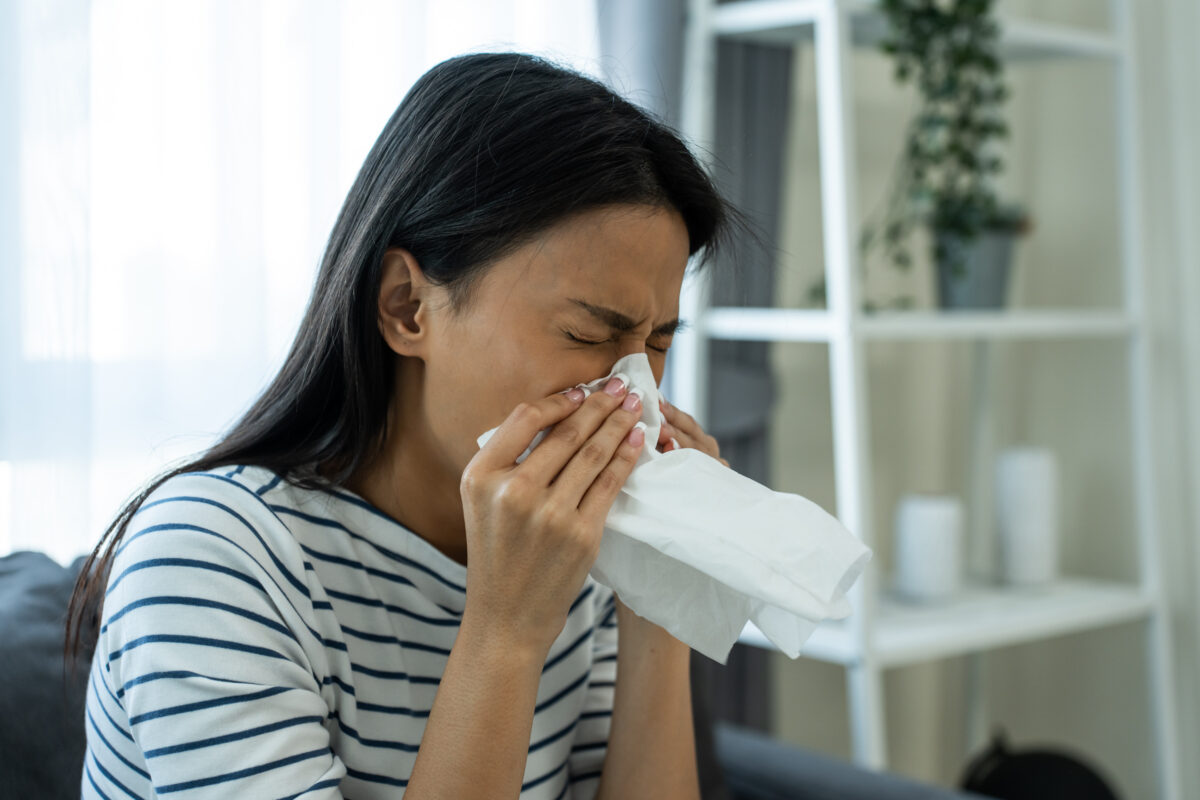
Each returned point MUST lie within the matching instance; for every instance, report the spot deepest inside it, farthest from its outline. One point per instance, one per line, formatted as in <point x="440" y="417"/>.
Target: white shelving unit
<point x="881" y="633"/>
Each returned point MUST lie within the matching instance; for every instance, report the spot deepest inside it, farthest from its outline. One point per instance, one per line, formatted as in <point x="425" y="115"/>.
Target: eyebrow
<point x="620" y="322"/>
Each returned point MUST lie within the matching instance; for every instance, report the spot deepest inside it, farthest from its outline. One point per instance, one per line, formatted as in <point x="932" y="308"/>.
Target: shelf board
<point x="784" y="22"/>
<point x="819" y="325"/>
<point x="980" y="618"/>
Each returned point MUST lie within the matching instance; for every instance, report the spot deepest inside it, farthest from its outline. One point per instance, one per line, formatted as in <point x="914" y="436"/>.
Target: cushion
<point x="41" y="707"/>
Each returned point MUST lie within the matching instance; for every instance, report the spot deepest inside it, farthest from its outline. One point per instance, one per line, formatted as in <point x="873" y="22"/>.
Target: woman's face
<point x="610" y="276"/>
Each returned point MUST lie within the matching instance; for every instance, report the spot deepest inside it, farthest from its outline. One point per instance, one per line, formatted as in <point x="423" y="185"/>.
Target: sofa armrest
<point x="759" y="767"/>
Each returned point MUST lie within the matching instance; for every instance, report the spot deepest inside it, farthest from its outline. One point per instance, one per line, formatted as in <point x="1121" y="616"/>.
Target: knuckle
<point x="553" y="517"/>
<point x="526" y="412"/>
<point x="569" y="434"/>
<point x="593" y="452"/>
<point x="608" y="481"/>
<point x="512" y="494"/>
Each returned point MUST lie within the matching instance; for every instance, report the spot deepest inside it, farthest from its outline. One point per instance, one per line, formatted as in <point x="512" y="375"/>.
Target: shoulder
<point x="209" y="521"/>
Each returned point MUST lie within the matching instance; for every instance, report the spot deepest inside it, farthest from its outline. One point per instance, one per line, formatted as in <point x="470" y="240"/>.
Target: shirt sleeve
<point x="209" y="651"/>
<point x="590" y="742"/>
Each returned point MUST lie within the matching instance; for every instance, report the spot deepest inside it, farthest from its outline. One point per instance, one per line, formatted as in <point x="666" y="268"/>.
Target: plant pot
<point x="985" y="270"/>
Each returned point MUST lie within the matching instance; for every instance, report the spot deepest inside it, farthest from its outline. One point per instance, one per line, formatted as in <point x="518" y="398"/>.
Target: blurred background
<point x="170" y="171"/>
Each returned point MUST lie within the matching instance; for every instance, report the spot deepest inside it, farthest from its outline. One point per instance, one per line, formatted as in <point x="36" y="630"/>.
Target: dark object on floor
<point x="1040" y="774"/>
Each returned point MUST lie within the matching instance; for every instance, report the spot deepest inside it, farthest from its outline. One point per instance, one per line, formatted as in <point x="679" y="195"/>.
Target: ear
<point x="404" y="308"/>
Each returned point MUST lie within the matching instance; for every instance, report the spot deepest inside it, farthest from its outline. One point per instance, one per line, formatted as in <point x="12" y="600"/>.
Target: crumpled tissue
<point x="698" y="549"/>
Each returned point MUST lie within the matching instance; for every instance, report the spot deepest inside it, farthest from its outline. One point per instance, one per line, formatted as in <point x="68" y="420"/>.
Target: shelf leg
<point x="864" y="681"/>
<point x="978" y="718"/>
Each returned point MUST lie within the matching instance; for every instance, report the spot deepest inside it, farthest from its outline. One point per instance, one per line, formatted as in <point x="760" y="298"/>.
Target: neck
<point x="410" y="480"/>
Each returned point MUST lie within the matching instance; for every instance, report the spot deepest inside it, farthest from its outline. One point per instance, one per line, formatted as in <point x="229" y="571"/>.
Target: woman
<point x="291" y="614"/>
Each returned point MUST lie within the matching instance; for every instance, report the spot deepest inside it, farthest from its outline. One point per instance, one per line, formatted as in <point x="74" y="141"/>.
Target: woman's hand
<point x="533" y="529"/>
<point x="679" y="429"/>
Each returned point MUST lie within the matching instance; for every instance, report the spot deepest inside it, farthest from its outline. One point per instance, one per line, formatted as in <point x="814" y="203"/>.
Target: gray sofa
<point x="42" y="733"/>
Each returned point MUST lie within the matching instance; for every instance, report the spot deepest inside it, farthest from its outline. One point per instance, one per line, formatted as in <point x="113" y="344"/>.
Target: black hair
<point x="485" y="151"/>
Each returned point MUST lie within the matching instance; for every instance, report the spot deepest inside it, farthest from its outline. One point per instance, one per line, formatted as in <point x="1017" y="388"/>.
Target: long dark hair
<point x="484" y="152"/>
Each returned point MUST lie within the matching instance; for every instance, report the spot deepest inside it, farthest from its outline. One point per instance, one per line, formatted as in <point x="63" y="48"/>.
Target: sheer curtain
<point x="169" y="174"/>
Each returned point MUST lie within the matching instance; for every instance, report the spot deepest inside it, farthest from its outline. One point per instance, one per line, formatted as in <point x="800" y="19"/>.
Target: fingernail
<point x="638" y="435"/>
<point x="616" y="384"/>
<point x="633" y="400"/>
<point x="674" y="442"/>
<point x="575" y="394"/>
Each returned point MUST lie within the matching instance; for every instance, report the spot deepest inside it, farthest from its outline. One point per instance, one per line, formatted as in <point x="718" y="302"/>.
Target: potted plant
<point x="949" y="162"/>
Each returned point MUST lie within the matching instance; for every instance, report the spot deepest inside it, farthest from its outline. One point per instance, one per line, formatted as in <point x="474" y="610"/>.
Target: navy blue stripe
<point x="596" y="684"/>
<point x="373" y="778"/>
<point x="391" y="675"/>
<point x="582" y="596"/>
<point x="591" y="714"/>
<point x="203" y="641"/>
<point x="611" y="657"/>
<point x="231" y="737"/>
<point x="113" y="779"/>
<point x="346" y="687"/>
<point x="563" y="790"/>
<point x="382" y="709"/>
<point x="242" y="773"/>
<point x="570" y="687"/>
<point x="113" y="750"/>
<point x="543" y="778"/>
<point x="377" y="603"/>
<point x="585" y="776"/>
<point x="393" y="555"/>
<point x="590" y="746"/>
<point x="318" y="785"/>
<point x="182" y="562"/>
<point x="92" y="780"/>
<point x="583" y="637"/>
<point x="231" y="473"/>
<point x="111" y="721"/>
<point x="170" y="711"/>
<point x="381" y="743"/>
<point x="175" y="673"/>
<point x="200" y="602"/>
<point x="553" y="737"/>
<point x="266" y="487"/>
<point x="378" y="573"/>
<point x="388" y="638"/>
<point x="109" y="692"/>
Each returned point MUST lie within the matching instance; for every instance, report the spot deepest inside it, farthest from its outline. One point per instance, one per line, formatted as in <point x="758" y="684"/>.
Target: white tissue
<point x="699" y="549"/>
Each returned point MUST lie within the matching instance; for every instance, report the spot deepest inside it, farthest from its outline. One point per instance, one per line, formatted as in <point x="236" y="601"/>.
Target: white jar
<point x="927" y="552"/>
<point x="1027" y="515"/>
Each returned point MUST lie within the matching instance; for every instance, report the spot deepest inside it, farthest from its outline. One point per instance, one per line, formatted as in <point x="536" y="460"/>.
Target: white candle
<point x="1027" y="515"/>
<point x="927" y="557"/>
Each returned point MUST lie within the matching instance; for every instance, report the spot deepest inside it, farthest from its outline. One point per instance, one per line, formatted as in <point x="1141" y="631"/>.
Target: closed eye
<point x="575" y="338"/>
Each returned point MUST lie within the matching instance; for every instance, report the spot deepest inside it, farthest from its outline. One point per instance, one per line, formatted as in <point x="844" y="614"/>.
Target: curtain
<point x="169" y="175"/>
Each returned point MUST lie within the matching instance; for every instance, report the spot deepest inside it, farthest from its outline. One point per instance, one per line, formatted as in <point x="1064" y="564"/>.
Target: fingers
<point x="596" y="470"/>
<point x="520" y="426"/>
<point x="583" y="433"/>
<point x="602" y="491"/>
<point x="683" y="426"/>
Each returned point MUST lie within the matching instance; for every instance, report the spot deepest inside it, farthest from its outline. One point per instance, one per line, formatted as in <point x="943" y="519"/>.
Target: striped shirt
<point x="264" y="641"/>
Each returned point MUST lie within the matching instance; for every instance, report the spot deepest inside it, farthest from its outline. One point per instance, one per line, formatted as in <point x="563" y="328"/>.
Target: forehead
<point x="635" y="254"/>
